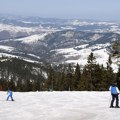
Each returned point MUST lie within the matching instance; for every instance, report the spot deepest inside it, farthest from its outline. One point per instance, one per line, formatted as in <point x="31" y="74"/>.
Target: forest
<point x="19" y="75"/>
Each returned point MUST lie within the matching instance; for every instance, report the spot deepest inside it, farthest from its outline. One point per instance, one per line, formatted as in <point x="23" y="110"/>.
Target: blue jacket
<point x="9" y="93"/>
<point x="114" y="90"/>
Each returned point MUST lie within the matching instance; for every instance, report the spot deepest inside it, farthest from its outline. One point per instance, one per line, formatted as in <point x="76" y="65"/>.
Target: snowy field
<point x="58" y="106"/>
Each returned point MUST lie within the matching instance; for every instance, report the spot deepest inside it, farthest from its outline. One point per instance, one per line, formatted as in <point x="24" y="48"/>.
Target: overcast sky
<point x="83" y="9"/>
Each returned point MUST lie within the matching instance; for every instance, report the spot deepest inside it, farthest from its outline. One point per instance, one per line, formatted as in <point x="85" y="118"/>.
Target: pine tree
<point x="61" y="81"/>
<point x="50" y="80"/>
<point x="110" y="75"/>
<point x="90" y="67"/>
<point x="83" y="83"/>
<point x="118" y="77"/>
<point x="116" y="48"/>
<point x="76" y="78"/>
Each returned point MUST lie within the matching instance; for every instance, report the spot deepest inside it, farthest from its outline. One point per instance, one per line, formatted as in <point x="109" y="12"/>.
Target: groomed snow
<point x="58" y="106"/>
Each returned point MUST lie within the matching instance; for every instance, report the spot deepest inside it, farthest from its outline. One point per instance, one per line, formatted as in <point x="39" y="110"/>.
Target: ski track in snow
<point x="58" y="106"/>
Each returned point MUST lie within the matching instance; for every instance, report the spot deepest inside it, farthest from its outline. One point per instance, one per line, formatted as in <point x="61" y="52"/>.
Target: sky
<point x="83" y="9"/>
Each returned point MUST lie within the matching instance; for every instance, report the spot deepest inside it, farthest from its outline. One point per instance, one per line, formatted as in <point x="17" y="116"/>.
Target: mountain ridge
<point x="50" y="42"/>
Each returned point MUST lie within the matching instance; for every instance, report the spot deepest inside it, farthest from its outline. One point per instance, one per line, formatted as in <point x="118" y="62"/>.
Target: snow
<point x="15" y="56"/>
<point x="7" y="55"/>
<point x="68" y="28"/>
<point x="85" y="23"/>
<point x="6" y="48"/>
<point x="15" y="28"/>
<point x="100" y="54"/>
<point x="80" y="56"/>
<point x="31" y="61"/>
<point x="28" y="22"/>
<point x="81" y="23"/>
<point x="96" y="37"/>
<point x="34" y="56"/>
<point x="29" y="30"/>
<point x="68" y="34"/>
<point x="81" y="46"/>
<point x="64" y="105"/>
<point x="115" y="29"/>
<point x="33" y="38"/>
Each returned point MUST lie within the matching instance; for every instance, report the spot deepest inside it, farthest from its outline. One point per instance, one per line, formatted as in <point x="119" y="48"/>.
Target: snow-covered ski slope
<point x="58" y="106"/>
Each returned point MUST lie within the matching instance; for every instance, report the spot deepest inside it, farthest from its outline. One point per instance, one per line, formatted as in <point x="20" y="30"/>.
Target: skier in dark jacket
<point x="9" y="93"/>
<point x="115" y="95"/>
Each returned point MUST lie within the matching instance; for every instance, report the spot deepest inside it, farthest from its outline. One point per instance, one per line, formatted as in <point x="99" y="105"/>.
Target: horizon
<point x="108" y="10"/>
<point x="82" y="19"/>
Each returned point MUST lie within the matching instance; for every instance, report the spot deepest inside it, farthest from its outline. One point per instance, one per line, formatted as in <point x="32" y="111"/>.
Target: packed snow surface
<point x="58" y="106"/>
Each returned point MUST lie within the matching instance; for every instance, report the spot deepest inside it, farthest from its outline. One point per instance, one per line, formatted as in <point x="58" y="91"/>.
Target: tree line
<point x="19" y="75"/>
<point x="92" y="77"/>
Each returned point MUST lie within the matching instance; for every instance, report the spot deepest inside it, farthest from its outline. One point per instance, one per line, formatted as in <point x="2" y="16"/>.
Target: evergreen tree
<point x="50" y="81"/>
<point x="110" y="76"/>
<point x="118" y="77"/>
<point x="77" y="77"/>
<point x="116" y="48"/>
<point x="90" y="67"/>
<point x="83" y="83"/>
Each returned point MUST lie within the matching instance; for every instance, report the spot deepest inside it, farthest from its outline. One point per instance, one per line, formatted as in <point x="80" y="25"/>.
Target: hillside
<point x="21" y="75"/>
<point x="58" y="40"/>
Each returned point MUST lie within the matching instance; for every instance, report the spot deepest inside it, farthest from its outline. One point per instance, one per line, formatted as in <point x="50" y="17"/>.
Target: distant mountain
<point x="57" y="40"/>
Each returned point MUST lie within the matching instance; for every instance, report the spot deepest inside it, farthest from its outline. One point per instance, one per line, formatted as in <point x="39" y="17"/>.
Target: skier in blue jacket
<point x="9" y="93"/>
<point x="115" y="95"/>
